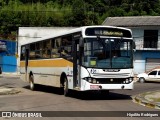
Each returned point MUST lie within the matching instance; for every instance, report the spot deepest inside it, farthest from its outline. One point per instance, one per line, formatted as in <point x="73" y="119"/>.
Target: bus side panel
<point x="48" y="72"/>
<point x="23" y="72"/>
<point x="49" y="76"/>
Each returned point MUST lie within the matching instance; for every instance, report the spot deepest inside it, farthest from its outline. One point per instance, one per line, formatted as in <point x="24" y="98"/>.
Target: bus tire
<point x="31" y="82"/>
<point x="66" y="90"/>
<point x="104" y="92"/>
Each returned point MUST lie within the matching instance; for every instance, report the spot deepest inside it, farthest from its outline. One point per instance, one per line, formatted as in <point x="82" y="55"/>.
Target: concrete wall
<point x="138" y="36"/>
<point x="8" y="63"/>
<point x="140" y="58"/>
<point x="142" y="54"/>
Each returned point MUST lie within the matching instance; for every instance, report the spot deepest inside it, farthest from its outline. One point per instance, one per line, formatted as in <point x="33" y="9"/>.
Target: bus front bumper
<point x="89" y="86"/>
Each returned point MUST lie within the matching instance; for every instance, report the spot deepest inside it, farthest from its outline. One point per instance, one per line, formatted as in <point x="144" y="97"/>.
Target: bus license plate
<point x="94" y="87"/>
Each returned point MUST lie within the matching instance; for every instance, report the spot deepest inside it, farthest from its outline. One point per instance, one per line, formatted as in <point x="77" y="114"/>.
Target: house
<point x="146" y="34"/>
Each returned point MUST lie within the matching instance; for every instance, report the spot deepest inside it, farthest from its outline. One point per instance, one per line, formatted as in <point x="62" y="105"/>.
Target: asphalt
<point x="149" y="99"/>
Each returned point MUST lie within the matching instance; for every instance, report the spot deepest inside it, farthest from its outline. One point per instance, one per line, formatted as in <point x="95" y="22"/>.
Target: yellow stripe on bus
<point x="47" y="63"/>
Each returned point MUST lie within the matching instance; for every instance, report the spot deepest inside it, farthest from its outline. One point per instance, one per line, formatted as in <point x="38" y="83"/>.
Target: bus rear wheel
<point x="31" y="82"/>
<point x="66" y="90"/>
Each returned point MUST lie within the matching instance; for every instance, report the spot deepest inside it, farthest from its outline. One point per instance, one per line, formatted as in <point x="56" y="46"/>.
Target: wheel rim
<point x="141" y="80"/>
<point x="65" y="87"/>
<point x="31" y="83"/>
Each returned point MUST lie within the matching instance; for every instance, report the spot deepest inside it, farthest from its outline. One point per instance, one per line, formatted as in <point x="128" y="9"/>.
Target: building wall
<point x="159" y="38"/>
<point x="8" y="61"/>
<point x="142" y="54"/>
<point x="140" y="59"/>
<point x="138" y="37"/>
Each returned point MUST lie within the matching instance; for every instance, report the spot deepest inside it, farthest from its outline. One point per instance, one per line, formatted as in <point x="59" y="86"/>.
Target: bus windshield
<point x="107" y="53"/>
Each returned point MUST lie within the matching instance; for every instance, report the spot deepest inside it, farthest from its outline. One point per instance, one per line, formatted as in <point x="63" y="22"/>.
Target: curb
<point x="8" y="91"/>
<point x="140" y="99"/>
<point x="15" y="75"/>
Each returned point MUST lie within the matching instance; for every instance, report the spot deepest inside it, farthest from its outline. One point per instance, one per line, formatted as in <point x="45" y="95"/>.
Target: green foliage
<point x="16" y="13"/>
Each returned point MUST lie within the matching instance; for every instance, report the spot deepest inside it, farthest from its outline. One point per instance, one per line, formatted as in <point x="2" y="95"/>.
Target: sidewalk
<point x="6" y="74"/>
<point x="6" y="90"/>
<point x="149" y="99"/>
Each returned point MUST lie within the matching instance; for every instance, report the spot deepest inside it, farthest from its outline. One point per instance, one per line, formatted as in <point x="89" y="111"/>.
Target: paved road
<point x="49" y="99"/>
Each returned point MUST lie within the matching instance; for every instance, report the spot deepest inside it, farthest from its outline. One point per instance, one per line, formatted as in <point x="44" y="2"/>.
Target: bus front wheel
<point x="31" y="82"/>
<point x="66" y="91"/>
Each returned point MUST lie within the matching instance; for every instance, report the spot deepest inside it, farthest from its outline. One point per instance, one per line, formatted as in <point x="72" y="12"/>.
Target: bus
<point x="82" y="59"/>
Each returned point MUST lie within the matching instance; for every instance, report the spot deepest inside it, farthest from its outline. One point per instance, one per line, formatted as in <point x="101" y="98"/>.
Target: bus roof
<point x="74" y="30"/>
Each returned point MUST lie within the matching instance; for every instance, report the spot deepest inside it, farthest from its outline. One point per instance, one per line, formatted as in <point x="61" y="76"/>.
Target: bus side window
<point x="55" y="48"/>
<point x="66" y="49"/>
<point x="46" y="52"/>
<point x="38" y="50"/>
<point x="32" y="51"/>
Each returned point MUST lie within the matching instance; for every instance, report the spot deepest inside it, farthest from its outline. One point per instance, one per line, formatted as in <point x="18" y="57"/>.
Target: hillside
<point x="15" y="13"/>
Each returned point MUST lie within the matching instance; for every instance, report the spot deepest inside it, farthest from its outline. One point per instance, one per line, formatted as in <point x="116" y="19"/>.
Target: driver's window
<point x="153" y="73"/>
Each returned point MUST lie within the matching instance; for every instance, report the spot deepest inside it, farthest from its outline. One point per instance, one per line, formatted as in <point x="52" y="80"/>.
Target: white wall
<point x="138" y="35"/>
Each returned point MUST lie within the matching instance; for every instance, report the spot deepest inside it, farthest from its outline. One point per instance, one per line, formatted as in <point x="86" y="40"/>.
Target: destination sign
<point x="108" y="33"/>
<point x="101" y="31"/>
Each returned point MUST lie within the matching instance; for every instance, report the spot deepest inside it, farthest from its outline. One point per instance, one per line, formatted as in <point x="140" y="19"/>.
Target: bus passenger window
<point x="38" y="52"/>
<point x="66" y="47"/>
<point x="32" y="55"/>
<point x="55" y="51"/>
<point x="64" y="52"/>
<point x="32" y="51"/>
<point x="46" y="52"/>
<point x="57" y="42"/>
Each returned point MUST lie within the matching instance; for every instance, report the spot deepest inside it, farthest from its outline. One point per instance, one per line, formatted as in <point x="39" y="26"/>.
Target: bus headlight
<point x="90" y="80"/>
<point x="94" y="81"/>
<point x="128" y="80"/>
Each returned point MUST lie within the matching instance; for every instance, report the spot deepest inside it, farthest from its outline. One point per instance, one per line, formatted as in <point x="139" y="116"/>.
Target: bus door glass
<point x="26" y="59"/>
<point x="76" y="62"/>
<point x="25" y="56"/>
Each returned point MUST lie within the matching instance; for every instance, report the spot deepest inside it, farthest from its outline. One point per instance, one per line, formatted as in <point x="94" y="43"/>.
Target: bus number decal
<point x="93" y="71"/>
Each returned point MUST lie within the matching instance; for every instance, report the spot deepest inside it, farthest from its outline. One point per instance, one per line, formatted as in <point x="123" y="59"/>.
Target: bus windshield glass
<point x="107" y="53"/>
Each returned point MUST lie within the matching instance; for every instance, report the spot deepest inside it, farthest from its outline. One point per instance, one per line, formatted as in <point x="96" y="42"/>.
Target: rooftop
<point x="132" y="21"/>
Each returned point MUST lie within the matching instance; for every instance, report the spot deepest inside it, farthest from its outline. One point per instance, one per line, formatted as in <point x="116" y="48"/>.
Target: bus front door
<point x="76" y="68"/>
<point x="26" y="63"/>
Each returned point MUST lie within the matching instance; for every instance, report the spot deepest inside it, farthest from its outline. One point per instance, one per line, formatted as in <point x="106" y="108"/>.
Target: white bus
<point x="82" y="59"/>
